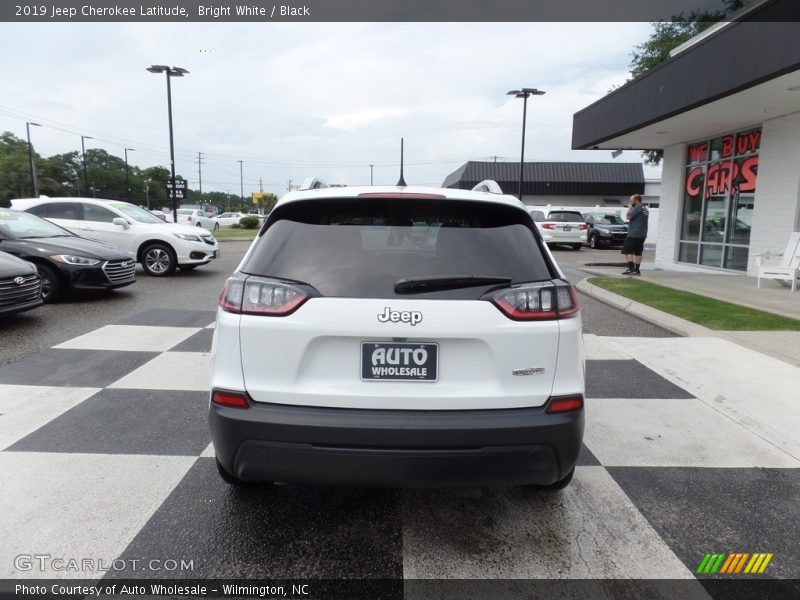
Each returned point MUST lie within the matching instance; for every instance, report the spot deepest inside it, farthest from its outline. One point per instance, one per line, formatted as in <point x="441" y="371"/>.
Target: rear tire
<point x="576" y="246"/>
<point x="553" y="487"/>
<point x="52" y="286"/>
<point x="234" y="481"/>
<point x="593" y="241"/>
<point x="158" y="260"/>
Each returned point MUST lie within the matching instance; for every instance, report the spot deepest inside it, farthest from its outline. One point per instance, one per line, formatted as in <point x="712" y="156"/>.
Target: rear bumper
<point x="396" y="448"/>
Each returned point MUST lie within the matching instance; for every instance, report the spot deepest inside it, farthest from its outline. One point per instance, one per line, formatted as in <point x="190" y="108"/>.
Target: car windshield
<point x="14" y="224"/>
<point x="137" y="214"/>
<point x="602" y="219"/>
<point x="565" y="216"/>
<point x="356" y="249"/>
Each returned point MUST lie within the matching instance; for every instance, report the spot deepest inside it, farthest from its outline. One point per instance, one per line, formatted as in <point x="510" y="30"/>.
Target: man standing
<point x="637" y="216"/>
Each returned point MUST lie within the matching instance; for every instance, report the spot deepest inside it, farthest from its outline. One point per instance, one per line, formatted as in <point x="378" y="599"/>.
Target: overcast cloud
<point x="311" y="99"/>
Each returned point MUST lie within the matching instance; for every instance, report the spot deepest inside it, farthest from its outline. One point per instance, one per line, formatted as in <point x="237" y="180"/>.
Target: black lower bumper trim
<point x="396" y="448"/>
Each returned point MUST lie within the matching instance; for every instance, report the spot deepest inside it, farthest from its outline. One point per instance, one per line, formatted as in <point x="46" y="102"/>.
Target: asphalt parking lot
<point x="675" y="463"/>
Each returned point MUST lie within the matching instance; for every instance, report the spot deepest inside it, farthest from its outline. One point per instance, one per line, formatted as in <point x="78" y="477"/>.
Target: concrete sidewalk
<point x="734" y="288"/>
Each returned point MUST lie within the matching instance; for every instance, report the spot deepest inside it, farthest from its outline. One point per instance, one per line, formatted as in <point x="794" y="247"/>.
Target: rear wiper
<point x="449" y="282"/>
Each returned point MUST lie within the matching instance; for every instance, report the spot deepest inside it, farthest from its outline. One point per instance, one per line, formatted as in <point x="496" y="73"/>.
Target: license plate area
<point x="399" y="361"/>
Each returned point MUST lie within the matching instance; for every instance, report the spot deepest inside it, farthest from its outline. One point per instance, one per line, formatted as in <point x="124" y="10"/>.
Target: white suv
<point x="561" y="227"/>
<point x="160" y="247"/>
<point x="398" y="336"/>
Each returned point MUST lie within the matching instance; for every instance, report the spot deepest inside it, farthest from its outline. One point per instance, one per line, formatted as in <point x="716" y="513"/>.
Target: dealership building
<point x="725" y="109"/>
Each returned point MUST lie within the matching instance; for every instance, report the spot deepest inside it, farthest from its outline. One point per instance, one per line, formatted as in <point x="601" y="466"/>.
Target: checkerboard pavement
<point x="105" y="453"/>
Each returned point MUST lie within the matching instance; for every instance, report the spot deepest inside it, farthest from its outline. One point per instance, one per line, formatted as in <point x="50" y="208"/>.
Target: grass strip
<point x="231" y="234"/>
<point x="711" y="313"/>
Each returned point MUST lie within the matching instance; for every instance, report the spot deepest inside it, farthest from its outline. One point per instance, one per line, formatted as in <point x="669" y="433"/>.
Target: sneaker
<point x="637" y="273"/>
<point x="628" y="272"/>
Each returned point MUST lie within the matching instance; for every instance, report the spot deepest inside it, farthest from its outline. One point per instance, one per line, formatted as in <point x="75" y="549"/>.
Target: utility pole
<point x="127" y="175"/>
<point x="34" y="185"/>
<point x="260" y="186"/>
<point x="289" y="186"/>
<point x="200" y="174"/>
<point x="83" y="155"/>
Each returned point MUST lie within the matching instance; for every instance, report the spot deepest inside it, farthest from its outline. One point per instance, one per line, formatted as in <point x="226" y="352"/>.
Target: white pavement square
<point x="589" y="530"/>
<point x="78" y="505"/>
<point x="25" y="408"/>
<point x="171" y="371"/>
<point x="597" y="349"/>
<point x="674" y="433"/>
<point x="131" y="338"/>
<point x="757" y="391"/>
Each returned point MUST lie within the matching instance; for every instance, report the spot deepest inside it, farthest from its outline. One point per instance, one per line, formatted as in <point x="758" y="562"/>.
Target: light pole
<point x="127" y="174"/>
<point x="370" y="174"/>
<point x="170" y="72"/>
<point x="524" y="93"/>
<point x="83" y="156"/>
<point x="241" y="184"/>
<point x="147" y="192"/>
<point x="34" y="186"/>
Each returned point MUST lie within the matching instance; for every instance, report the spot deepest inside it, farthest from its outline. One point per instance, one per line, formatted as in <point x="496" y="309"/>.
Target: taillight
<point x="260" y="296"/>
<point x="189" y="218"/>
<point x="583" y="226"/>
<point x="562" y="404"/>
<point x="537" y="302"/>
<point x="230" y="399"/>
<point x="548" y="226"/>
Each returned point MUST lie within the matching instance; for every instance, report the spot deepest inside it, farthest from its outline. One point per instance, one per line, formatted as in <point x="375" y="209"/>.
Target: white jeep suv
<point x="160" y="247"/>
<point x="398" y="336"/>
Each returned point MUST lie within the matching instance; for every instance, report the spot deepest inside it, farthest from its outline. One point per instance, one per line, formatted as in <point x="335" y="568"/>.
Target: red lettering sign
<point x="747" y="175"/>
<point x="727" y="146"/>
<point x="698" y="153"/>
<point x="719" y="178"/>
<point x="694" y="181"/>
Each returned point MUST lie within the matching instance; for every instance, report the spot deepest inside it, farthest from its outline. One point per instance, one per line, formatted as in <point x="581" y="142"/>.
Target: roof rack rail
<point x="488" y="185"/>
<point x="312" y="183"/>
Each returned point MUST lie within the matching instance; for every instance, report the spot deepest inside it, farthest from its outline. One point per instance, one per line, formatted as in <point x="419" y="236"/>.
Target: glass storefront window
<point x="719" y="193"/>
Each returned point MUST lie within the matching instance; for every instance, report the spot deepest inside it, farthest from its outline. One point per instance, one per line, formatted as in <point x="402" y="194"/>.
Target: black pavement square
<point x="700" y="510"/>
<point x="586" y="458"/>
<point x="125" y="421"/>
<point x="198" y="342"/>
<point x="165" y="317"/>
<point x="266" y="531"/>
<point x="628" y="379"/>
<point x="74" y="368"/>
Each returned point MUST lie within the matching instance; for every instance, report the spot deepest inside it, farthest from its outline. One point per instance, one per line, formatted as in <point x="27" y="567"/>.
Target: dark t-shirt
<point x="637" y="224"/>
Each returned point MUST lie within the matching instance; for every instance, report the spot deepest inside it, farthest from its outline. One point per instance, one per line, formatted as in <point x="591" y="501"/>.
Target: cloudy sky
<point x="325" y="99"/>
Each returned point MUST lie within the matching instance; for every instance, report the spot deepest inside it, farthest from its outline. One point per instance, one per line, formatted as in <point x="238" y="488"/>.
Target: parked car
<point x="160" y="247"/>
<point x="64" y="260"/>
<point x="196" y="217"/>
<point x="605" y="229"/>
<point x="561" y="227"/>
<point x="20" y="284"/>
<point x="398" y="336"/>
<point x="161" y="215"/>
<point x="229" y="218"/>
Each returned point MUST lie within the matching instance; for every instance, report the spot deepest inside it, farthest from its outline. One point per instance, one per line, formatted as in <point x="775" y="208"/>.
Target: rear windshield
<point x="359" y="248"/>
<point x="565" y="216"/>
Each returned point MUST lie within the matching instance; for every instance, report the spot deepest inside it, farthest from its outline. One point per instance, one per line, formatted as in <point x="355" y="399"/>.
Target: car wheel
<point x="158" y="260"/>
<point x="576" y="246"/>
<point x="553" y="487"/>
<point x="199" y="224"/>
<point x="216" y="226"/>
<point x="235" y="481"/>
<point x="52" y="286"/>
<point x="592" y="241"/>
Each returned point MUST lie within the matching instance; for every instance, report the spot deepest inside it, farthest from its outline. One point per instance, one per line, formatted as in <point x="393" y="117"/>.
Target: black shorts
<point x="633" y="246"/>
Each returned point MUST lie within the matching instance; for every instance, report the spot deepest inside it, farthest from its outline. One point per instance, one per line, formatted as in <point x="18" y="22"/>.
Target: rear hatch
<point x="399" y="304"/>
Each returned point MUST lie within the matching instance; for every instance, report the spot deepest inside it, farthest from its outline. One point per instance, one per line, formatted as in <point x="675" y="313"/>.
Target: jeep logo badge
<point x="398" y="316"/>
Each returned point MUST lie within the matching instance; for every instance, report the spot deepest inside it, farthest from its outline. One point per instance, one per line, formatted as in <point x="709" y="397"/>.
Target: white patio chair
<point x="784" y="268"/>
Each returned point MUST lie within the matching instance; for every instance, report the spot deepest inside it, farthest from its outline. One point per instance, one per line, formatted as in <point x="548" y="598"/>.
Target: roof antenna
<point x="402" y="182"/>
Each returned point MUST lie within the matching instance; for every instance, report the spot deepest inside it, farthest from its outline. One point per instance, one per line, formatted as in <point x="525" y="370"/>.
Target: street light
<point x="524" y="93"/>
<point x="170" y="72"/>
<point x="127" y="175"/>
<point x="34" y="186"/>
<point x="83" y="156"/>
<point x="241" y="185"/>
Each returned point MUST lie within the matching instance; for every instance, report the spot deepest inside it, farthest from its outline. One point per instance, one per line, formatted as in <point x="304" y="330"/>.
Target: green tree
<point x="668" y="35"/>
<point x="15" y="178"/>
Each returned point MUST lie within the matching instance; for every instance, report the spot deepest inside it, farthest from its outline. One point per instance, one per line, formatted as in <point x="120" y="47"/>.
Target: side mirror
<point x="121" y="222"/>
